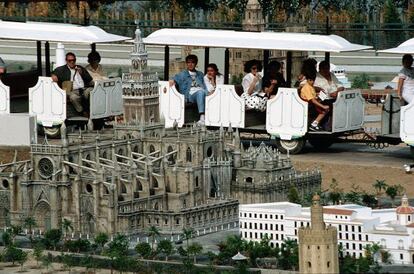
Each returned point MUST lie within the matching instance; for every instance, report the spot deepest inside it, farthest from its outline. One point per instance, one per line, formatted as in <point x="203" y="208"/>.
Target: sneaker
<point x="200" y="123"/>
<point x="315" y="128"/>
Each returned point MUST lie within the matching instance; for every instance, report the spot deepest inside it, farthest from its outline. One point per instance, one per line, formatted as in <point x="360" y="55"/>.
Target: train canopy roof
<point x="406" y="47"/>
<point x="56" y="32"/>
<point x="252" y="40"/>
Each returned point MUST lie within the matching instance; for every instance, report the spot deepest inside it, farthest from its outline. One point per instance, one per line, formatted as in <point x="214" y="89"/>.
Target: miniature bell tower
<point x="318" y="244"/>
<point x="253" y="17"/>
<point x="140" y="86"/>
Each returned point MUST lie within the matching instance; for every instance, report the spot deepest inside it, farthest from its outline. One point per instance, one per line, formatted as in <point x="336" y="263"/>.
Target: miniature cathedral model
<point x="139" y="174"/>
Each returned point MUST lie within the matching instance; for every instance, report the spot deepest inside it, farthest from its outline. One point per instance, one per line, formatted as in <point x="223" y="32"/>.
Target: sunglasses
<point x="254" y="68"/>
<point x="71" y="60"/>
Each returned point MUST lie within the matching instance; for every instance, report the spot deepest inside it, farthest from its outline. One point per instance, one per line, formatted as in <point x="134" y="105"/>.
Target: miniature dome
<point x="405" y="207"/>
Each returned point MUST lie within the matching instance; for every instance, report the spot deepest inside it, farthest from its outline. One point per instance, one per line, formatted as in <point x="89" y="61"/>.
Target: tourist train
<point x="285" y="120"/>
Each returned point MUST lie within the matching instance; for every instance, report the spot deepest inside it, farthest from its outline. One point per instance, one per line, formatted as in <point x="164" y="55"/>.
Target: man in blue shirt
<point x="190" y="83"/>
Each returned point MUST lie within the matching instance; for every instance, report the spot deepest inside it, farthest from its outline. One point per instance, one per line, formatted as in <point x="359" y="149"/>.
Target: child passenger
<point x="308" y="94"/>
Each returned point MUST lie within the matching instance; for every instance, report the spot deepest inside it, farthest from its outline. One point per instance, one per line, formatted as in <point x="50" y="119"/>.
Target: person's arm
<point x="248" y="86"/>
<point x="54" y="78"/>
<point x="399" y="87"/>
<point x="269" y="89"/>
<point x="174" y="80"/>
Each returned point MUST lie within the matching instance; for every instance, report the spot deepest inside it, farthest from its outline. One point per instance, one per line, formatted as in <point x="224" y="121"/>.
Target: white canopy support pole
<point x="60" y="55"/>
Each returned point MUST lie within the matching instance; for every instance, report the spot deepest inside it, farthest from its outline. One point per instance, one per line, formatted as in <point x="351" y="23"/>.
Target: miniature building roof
<point x="337" y="211"/>
<point x="252" y="40"/>
<point x="239" y="257"/>
<point x="406" y="47"/>
<point x="405" y="207"/>
<point x="54" y="32"/>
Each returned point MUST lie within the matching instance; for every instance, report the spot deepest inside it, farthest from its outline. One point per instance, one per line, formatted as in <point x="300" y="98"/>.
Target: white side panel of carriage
<point x="172" y="105"/>
<point x="48" y="102"/>
<point x="4" y="99"/>
<point x="407" y="124"/>
<point x="287" y="115"/>
<point x="348" y="111"/>
<point x="224" y="108"/>
<point x="106" y="99"/>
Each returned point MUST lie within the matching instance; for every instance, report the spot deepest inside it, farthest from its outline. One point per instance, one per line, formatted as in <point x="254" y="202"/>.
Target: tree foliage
<point x="144" y="250"/>
<point x="166" y="247"/>
<point x="293" y="195"/>
<point x="101" y="239"/>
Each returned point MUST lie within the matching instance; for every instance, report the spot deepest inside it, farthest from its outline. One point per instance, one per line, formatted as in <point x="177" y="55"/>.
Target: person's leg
<point x="76" y="100"/>
<point x="199" y="98"/>
<point x="321" y="114"/>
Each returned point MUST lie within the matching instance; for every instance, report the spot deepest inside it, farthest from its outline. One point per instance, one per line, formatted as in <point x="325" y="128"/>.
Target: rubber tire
<point x="295" y="146"/>
<point x="321" y="144"/>
<point x="51" y="132"/>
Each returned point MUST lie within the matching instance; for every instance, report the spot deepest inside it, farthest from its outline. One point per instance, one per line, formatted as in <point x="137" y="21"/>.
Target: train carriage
<point x="286" y="117"/>
<point x="42" y="97"/>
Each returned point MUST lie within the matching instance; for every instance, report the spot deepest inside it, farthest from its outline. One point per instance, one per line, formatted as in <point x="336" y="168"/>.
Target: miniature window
<point x="139" y="186"/>
<point x="5" y="184"/>
<point x="123" y="189"/>
<point x="249" y="180"/>
<point x="209" y="151"/>
<point x="188" y="155"/>
<point x="154" y="182"/>
<point x="89" y="188"/>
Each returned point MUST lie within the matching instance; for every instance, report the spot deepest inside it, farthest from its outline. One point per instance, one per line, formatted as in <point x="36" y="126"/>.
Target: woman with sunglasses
<point x="252" y="86"/>
<point x="213" y="78"/>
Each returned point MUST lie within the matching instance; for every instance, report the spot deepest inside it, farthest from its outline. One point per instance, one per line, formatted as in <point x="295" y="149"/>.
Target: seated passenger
<point x="213" y="78"/>
<point x="191" y="84"/>
<point x="75" y="80"/>
<point x="405" y="89"/>
<point x="327" y="82"/>
<point x="94" y="68"/>
<point x="253" y="95"/>
<point x="273" y="79"/>
<point x="308" y="67"/>
<point x="308" y="94"/>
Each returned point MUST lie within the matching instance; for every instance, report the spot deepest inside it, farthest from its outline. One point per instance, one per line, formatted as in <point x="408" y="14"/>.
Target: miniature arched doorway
<point x="213" y="187"/>
<point x="42" y="215"/>
<point x="88" y="223"/>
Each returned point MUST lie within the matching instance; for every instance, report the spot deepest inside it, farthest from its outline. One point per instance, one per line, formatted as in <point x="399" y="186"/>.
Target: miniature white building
<point x="392" y="228"/>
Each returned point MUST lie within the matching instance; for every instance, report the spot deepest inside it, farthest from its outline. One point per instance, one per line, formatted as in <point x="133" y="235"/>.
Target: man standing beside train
<point x="190" y="83"/>
<point x="75" y="80"/>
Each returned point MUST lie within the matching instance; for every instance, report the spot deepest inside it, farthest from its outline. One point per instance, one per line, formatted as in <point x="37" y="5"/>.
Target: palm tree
<point x="153" y="232"/>
<point x="392" y="193"/>
<point x="67" y="226"/>
<point x="380" y="186"/>
<point x="188" y="234"/>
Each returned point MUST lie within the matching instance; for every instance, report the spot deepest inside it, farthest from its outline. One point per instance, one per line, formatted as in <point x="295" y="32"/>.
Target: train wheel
<point x="321" y="143"/>
<point x="51" y="132"/>
<point x="294" y="146"/>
